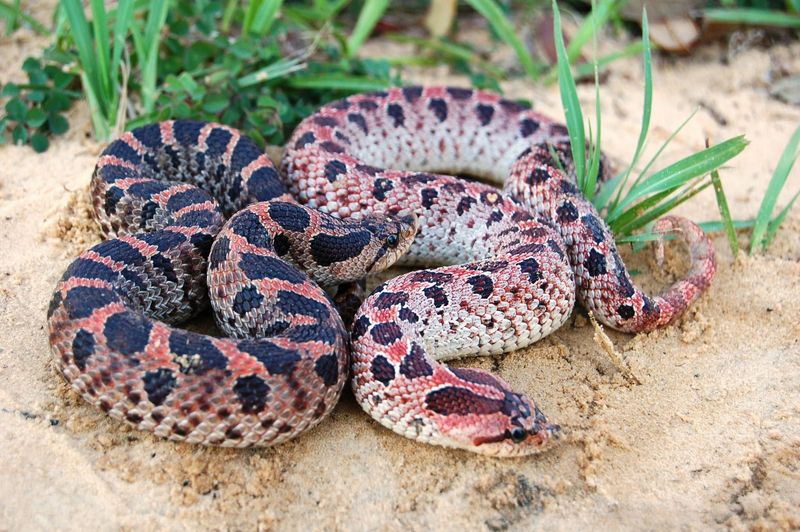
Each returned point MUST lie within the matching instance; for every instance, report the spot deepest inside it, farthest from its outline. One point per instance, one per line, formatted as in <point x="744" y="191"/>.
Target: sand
<point x="710" y="438"/>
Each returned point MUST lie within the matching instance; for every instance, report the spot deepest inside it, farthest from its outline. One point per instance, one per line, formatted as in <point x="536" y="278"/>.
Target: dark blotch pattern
<point x="262" y="267"/>
<point x="382" y="370"/>
<point x="396" y="112"/>
<point x="538" y="176"/>
<point x="567" y="212"/>
<point x="439" y="108"/>
<point x="327" y="249"/>
<point x="327" y="367"/>
<point x="595" y="263"/>
<point x="481" y="285"/>
<point x="359" y="120"/>
<point x="252" y="392"/>
<point x="386" y="333"/>
<point x="81" y="301"/>
<point x="219" y="252"/>
<point x="277" y="360"/>
<point x="158" y="385"/>
<point x="625" y="312"/>
<point x="389" y="299"/>
<point x="127" y="332"/>
<point x="289" y="216"/>
<point x="82" y="348"/>
<point x="484" y="113"/>
<point x="429" y="195"/>
<point x="528" y="127"/>
<point x="305" y="139"/>
<point x="427" y="276"/>
<point x="459" y="93"/>
<point x="360" y="327"/>
<point x="530" y="267"/>
<point x="332" y="147"/>
<point x="437" y="295"/>
<point x="246" y="300"/>
<point x="414" y="364"/>
<point x="412" y="94"/>
<point x="248" y="225"/>
<point x="197" y="348"/>
<point x="455" y="401"/>
<point x="595" y="226"/>
<point x="380" y="187"/>
<point x="333" y="169"/>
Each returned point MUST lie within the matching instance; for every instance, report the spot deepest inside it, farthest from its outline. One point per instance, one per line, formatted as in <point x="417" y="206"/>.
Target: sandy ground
<point x="710" y="438"/>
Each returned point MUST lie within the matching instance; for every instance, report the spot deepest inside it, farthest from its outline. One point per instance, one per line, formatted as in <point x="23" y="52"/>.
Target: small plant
<point x="34" y="110"/>
<point x="650" y="196"/>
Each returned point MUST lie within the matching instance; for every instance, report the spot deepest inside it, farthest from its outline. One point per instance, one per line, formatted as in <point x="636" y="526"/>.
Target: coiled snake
<point x="503" y="270"/>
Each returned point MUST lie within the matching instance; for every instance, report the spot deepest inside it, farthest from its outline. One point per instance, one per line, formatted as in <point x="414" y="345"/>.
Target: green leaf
<point x="39" y="142"/>
<point x="368" y="17"/>
<point x="58" y="124"/>
<point x="599" y="16"/>
<point x="569" y="100"/>
<point x="500" y="24"/>
<point x="16" y="109"/>
<point x="753" y="16"/>
<point x="10" y="90"/>
<point x="19" y="134"/>
<point x="776" y="184"/>
<point x="215" y="103"/>
<point x="725" y="213"/>
<point x="695" y="165"/>
<point x="36" y="117"/>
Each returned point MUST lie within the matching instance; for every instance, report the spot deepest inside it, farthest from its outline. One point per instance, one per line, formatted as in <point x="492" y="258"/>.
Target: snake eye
<point x="392" y="240"/>
<point x="518" y="434"/>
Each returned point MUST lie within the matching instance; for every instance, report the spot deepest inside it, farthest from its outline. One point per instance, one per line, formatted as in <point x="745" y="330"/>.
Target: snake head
<point x="392" y="237"/>
<point x="478" y="411"/>
<point x="518" y="430"/>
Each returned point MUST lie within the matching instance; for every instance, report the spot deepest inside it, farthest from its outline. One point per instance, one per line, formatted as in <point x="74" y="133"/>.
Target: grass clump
<point x="627" y="207"/>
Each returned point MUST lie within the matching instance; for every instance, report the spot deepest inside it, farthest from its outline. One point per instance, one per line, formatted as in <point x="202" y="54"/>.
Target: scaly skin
<point x="192" y="387"/>
<point x="510" y="264"/>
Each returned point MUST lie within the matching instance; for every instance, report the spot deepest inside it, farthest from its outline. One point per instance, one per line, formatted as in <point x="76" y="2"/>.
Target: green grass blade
<point x="654" y="213"/>
<point x="569" y="100"/>
<point x="776" y="184"/>
<point x="265" y="16"/>
<point x="725" y="213"/>
<point x="123" y="20"/>
<point x="681" y="172"/>
<point x="586" y="69"/>
<point x="456" y="51"/>
<point x="594" y="160"/>
<point x="607" y="190"/>
<point x="718" y="226"/>
<point x="647" y="107"/>
<point x="753" y="16"/>
<point x="102" y="51"/>
<point x="278" y="69"/>
<point x="369" y="16"/>
<point x="83" y="42"/>
<point x="228" y="13"/>
<point x="337" y="82"/>
<point x="491" y="11"/>
<point x="14" y="13"/>
<point x="250" y="14"/>
<point x="156" y="17"/>
<point x="776" y="223"/>
<point x="599" y="16"/>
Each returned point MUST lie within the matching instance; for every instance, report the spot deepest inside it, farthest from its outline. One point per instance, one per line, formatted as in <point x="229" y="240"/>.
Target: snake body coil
<point x="503" y="270"/>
